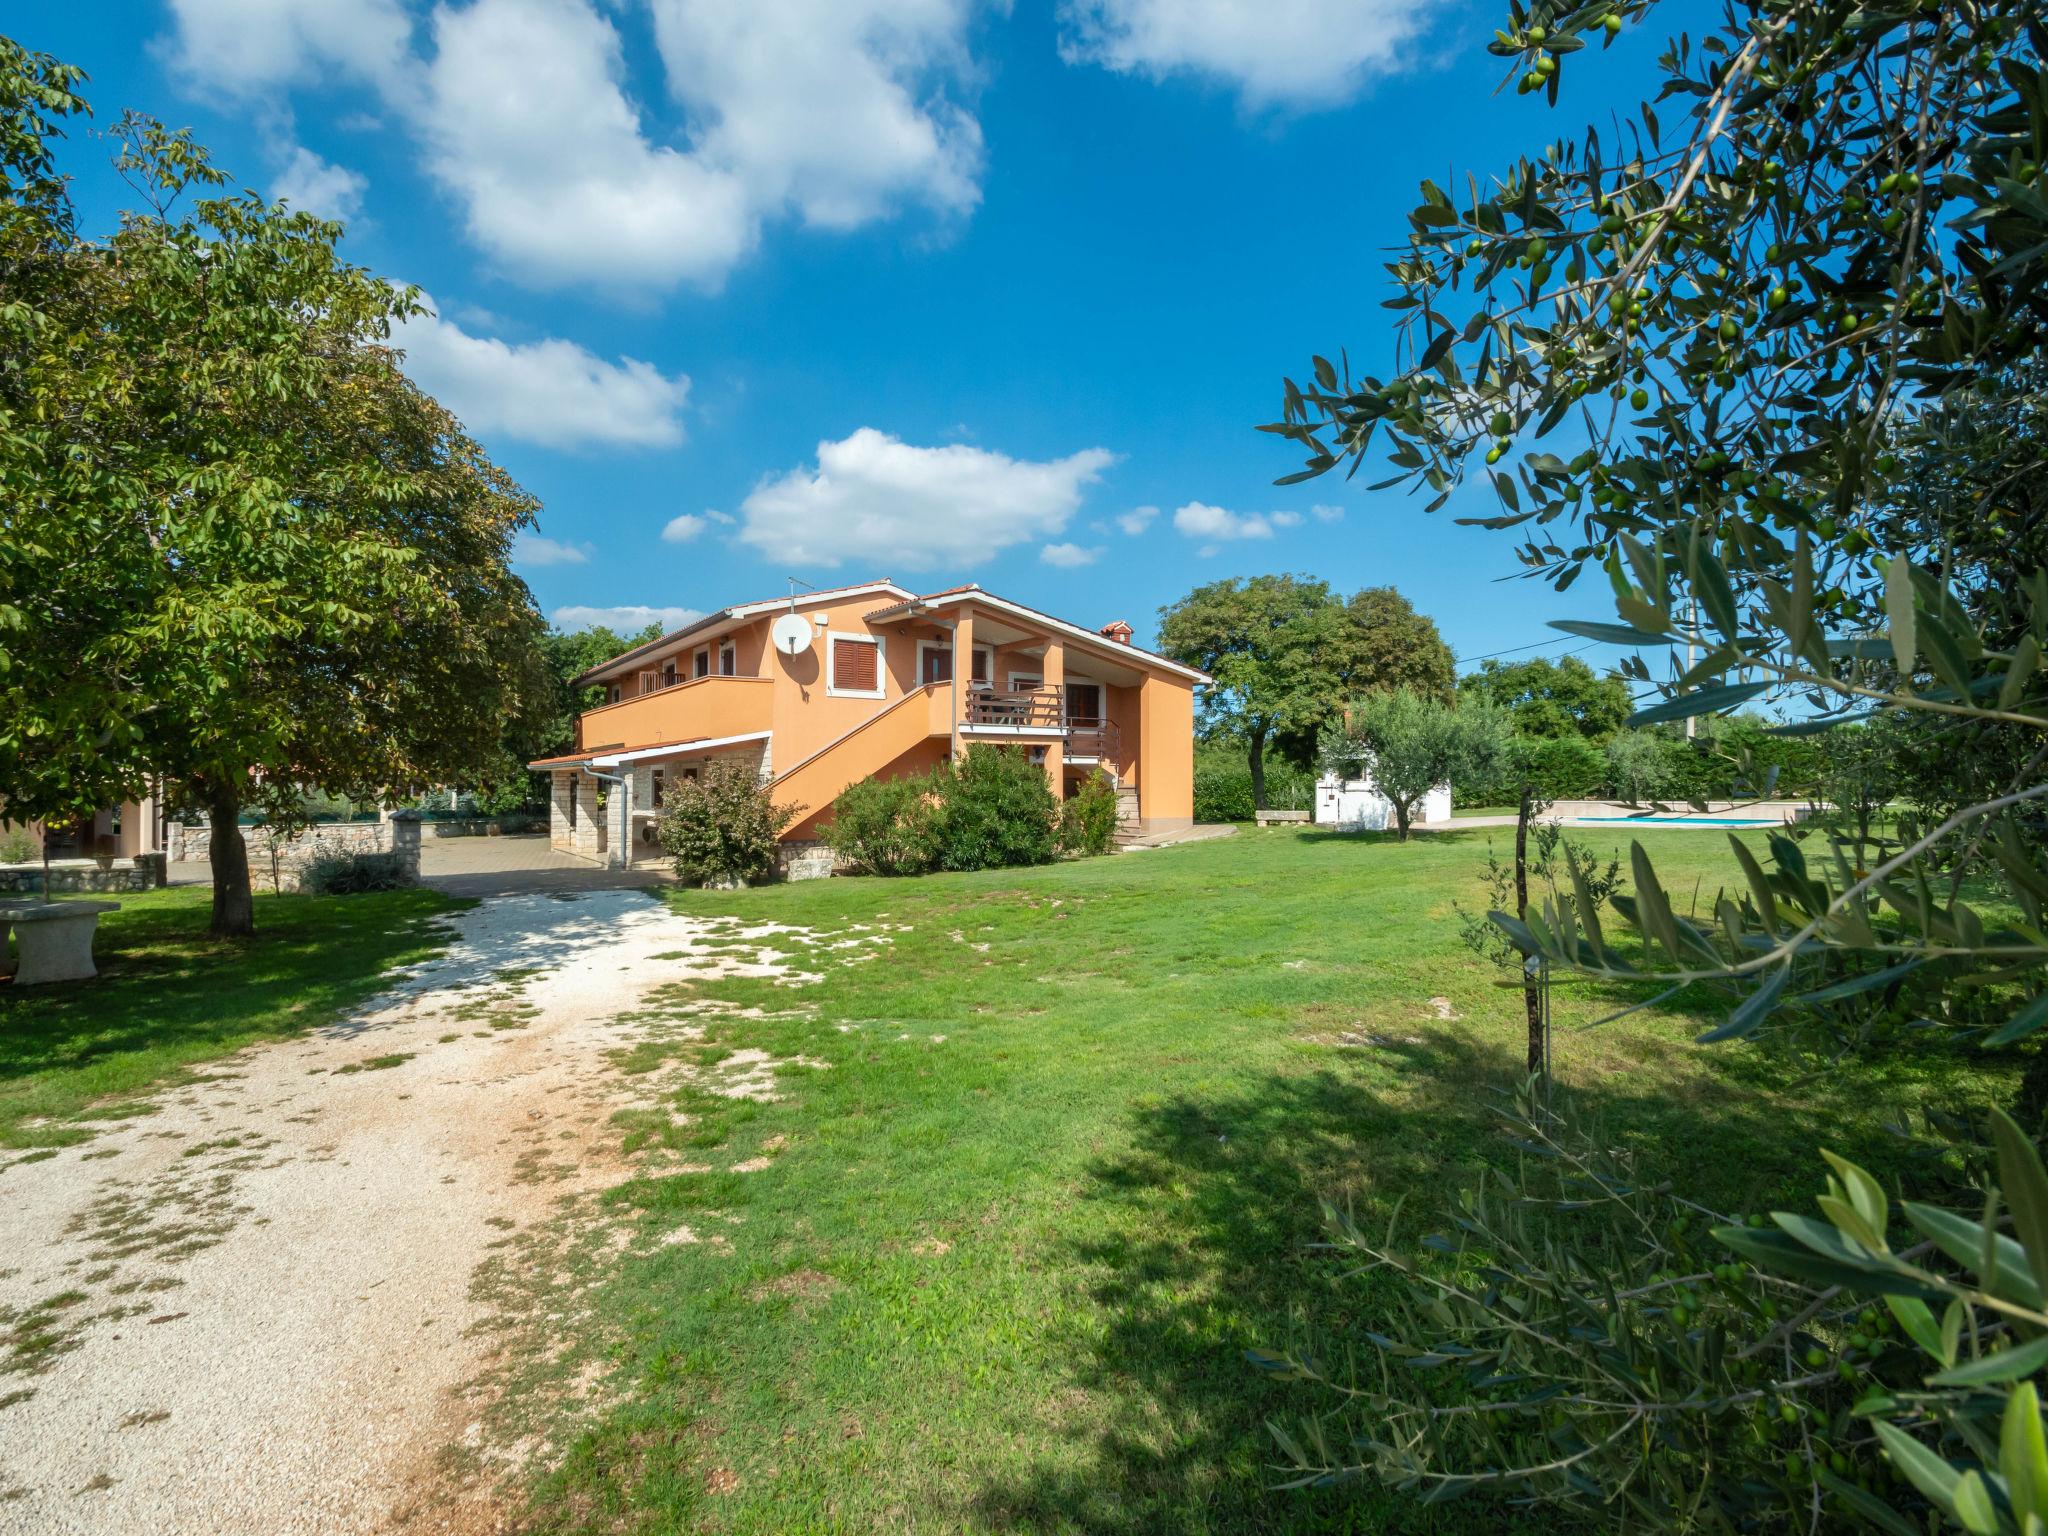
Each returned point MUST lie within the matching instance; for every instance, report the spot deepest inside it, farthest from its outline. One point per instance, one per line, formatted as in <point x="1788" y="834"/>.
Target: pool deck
<point x="1612" y="816"/>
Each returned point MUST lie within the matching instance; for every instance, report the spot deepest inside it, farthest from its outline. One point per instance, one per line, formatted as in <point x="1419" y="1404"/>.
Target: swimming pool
<point x="1682" y="821"/>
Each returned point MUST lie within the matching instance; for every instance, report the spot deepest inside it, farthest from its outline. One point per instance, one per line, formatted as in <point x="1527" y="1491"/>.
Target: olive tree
<point x="1699" y="354"/>
<point x="1413" y="743"/>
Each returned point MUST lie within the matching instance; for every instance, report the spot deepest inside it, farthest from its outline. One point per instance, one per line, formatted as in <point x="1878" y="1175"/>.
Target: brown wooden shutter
<point x="980" y="673"/>
<point x="854" y="665"/>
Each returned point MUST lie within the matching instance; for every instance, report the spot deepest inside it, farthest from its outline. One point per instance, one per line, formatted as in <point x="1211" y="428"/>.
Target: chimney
<point x="1117" y="630"/>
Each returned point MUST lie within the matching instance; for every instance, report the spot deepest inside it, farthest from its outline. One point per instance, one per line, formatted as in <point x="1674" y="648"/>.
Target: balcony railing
<point x="1045" y="709"/>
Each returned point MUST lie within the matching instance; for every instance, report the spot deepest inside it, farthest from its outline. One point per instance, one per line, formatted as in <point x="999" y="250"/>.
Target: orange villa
<point x="826" y="689"/>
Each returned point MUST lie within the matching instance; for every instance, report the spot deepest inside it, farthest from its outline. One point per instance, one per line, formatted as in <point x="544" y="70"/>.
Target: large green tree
<point x="1553" y="699"/>
<point x="1392" y="646"/>
<point x="1764" y="358"/>
<point x="242" y="550"/>
<point x="1277" y="648"/>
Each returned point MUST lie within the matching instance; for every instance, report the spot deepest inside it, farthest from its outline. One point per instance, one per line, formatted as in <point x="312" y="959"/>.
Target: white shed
<point x="1357" y="802"/>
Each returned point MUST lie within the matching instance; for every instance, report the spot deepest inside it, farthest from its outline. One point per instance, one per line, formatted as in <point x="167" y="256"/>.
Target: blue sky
<point x="929" y="289"/>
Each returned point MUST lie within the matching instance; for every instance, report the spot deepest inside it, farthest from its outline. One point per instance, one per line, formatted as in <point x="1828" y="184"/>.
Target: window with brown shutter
<point x="856" y="665"/>
<point x="980" y="665"/>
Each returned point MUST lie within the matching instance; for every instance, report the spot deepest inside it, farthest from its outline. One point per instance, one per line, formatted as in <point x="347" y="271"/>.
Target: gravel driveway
<point x="251" y="1310"/>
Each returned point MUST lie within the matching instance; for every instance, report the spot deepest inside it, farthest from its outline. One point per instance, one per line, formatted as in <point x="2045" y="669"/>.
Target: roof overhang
<point x="917" y="607"/>
<point x="614" y="757"/>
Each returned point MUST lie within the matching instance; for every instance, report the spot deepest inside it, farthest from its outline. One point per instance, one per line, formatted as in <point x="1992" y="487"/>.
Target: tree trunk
<point x="1401" y="813"/>
<point x="234" y="905"/>
<point x="1258" y="766"/>
<point x="1532" y="996"/>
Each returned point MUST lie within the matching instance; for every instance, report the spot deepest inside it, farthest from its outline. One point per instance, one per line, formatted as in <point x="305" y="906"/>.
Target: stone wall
<point x="399" y="835"/>
<point x="142" y="873"/>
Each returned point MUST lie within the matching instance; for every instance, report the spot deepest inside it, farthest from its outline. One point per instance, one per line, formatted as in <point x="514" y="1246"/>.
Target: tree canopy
<point x="243" y="551"/>
<point x="1553" y="699"/>
<point x="1288" y="653"/>
<point x="1413" y="743"/>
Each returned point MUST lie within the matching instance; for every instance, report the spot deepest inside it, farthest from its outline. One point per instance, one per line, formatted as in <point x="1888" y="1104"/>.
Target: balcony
<point x="691" y="709"/>
<point x="1041" y="711"/>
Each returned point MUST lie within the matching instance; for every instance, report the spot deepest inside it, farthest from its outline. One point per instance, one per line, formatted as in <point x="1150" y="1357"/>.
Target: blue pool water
<point x="1687" y="821"/>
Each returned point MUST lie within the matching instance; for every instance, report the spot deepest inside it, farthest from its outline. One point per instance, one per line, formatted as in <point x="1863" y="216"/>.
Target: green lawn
<point x="168" y="997"/>
<point x="1003" y="1280"/>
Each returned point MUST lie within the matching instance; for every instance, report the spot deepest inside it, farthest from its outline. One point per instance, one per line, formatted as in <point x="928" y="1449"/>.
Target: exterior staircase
<point x="1127" y="827"/>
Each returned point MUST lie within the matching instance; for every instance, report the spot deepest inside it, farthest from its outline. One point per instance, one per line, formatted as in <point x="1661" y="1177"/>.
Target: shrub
<point x="1567" y="768"/>
<point x="1088" y="820"/>
<point x="347" y="874"/>
<point x="1639" y="765"/>
<point x="722" y="825"/>
<point x="17" y="847"/>
<point x="887" y="826"/>
<point x="996" y="810"/>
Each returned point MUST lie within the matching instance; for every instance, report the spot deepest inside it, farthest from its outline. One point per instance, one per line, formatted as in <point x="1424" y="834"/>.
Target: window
<point x="613" y="694"/>
<point x="728" y="660"/>
<point x="700" y="665"/>
<point x="1084" y="701"/>
<point x="658" y="789"/>
<point x="854" y="667"/>
<point x="668" y="673"/>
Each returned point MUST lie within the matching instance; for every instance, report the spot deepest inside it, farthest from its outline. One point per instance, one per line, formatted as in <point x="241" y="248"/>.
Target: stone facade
<point x="586" y="837"/>
<point x="285" y="872"/>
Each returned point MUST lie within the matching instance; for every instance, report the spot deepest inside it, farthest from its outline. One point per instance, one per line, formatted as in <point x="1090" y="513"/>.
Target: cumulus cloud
<point x="875" y="498"/>
<point x="626" y="618"/>
<point x="834" y="111"/>
<point x="1288" y="53"/>
<point x="685" y="526"/>
<point x="550" y="392"/>
<point x="313" y="185"/>
<point x="532" y="549"/>
<point x="1199" y="520"/>
<point x="1067" y="556"/>
<point x="245" y="46"/>
<point x="1323" y="513"/>
<point x="1137" y="520"/>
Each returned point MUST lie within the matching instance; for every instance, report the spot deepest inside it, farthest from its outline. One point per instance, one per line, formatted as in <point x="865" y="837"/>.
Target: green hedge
<point x="1574" y="768"/>
<point x="1223" y="785"/>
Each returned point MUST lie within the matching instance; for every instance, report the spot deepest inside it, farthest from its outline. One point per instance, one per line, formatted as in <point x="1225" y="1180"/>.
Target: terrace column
<point x="1055" y="674"/>
<point x="963" y="674"/>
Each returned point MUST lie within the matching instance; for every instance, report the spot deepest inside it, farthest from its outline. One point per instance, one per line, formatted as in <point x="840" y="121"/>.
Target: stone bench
<point x="54" y="938"/>
<point x="1278" y="818"/>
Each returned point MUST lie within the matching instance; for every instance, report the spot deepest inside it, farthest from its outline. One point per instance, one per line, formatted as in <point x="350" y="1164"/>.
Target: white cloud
<point x="685" y="526"/>
<point x="875" y="498"/>
<point x="1199" y="520"/>
<point x="527" y="123"/>
<point x="551" y="392"/>
<point x="313" y="185"/>
<point x="835" y="111"/>
<point x="1293" y="53"/>
<point x="1137" y="520"/>
<point x="242" y="47"/>
<point x="532" y="549"/>
<point x="824" y="104"/>
<point x="626" y="618"/>
<point x="1324" y="513"/>
<point x="1067" y="556"/>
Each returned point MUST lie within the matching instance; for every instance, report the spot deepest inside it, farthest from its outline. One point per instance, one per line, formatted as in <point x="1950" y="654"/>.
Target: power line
<point x="1513" y="649"/>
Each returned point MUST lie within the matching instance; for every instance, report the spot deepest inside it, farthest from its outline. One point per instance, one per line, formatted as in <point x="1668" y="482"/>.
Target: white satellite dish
<point x="792" y="636"/>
